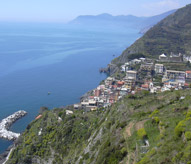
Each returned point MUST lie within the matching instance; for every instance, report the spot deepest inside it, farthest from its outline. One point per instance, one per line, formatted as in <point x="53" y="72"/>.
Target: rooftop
<point x="175" y="71"/>
<point x="163" y="55"/>
<point x="159" y="65"/>
<point x="120" y="82"/>
<point x="145" y="86"/>
<point x="131" y="71"/>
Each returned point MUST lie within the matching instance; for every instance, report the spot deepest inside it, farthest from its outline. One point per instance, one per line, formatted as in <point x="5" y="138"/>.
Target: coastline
<point x="5" y="125"/>
<point x="4" y="156"/>
<point x="7" y="122"/>
<point x="79" y="70"/>
<point x="7" y="158"/>
<point x="108" y="57"/>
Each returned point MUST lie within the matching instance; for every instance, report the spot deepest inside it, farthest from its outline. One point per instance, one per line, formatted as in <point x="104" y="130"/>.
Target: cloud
<point x="161" y="6"/>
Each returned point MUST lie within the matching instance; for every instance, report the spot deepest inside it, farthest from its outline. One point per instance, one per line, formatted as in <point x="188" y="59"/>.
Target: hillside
<point x="129" y="21"/>
<point x="143" y="128"/>
<point x="173" y="34"/>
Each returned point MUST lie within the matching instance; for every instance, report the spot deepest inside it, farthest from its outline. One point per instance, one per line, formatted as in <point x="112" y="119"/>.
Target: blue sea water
<point x="39" y="58"/>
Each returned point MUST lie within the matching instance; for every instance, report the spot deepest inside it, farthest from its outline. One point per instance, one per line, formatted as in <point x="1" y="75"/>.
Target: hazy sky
<point x="65" y="10"/>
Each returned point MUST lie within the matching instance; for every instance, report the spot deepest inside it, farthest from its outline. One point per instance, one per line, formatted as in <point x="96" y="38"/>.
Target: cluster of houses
<point x="114" y="89"/>
<point x="176" y="79"/>
<point x="108" y="93"/>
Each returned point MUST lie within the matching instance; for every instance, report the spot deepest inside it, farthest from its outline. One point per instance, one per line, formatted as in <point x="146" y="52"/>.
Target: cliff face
<point x="142" y="128"/>
<point x="173" y="34"/>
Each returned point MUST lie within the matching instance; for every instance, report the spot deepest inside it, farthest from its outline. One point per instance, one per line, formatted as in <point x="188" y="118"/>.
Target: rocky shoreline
<point x="7" y="122"/>
<point x="5" y="154"/>
<point x="111" y="69"/>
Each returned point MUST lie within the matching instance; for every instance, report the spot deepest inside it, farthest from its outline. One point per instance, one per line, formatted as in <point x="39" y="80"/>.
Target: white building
<point x="123" y="68"/>
<point x="163" y="57"/>
<point x="69" y="112"/>
<point x="131" y="75"/>
<point x="159" y="68"/>
<point x="142" y="59"/>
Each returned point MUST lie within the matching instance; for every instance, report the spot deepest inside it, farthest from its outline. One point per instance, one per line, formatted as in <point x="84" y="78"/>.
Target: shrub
<point x="141" y="133"/>
<point x="123" y="151"/>
<point x="188" y="136"/>
<point x="28" y="142"/>
<point x="145" y="93"/>
<point x="132" y="97"/>
<point x="180" y="128"/>
<point x="177" y="157"/>
<point x="187" y="153"/>
<point x="188" y="115"/>
<point x="86" y="156"/>
<point x="156" y="111"/>
<point x="152" y="152"/>
<point x="162" y="123"/>
<point x="156" y="120"/>
<point x="122" y="124"/>
<point x="144" y="160"/>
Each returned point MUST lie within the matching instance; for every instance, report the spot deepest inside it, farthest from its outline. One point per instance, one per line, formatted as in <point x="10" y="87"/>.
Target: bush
<point x="180" y="128"/>
<point x="86" y="156"/>
<point x="124" y="151"/>
<point x="156" y="120"/>
<point x="141" y="133"/>
<point x="188" y="136"/>
<point x="145" y="93"/>
<point x="156" y="111"/>
<point x="188" y="115"/>
<point x="122" y="124"/>
<point x="144" y="160"/>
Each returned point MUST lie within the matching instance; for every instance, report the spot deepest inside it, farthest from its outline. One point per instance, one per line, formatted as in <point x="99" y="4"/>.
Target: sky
<point x="66" y="10"/>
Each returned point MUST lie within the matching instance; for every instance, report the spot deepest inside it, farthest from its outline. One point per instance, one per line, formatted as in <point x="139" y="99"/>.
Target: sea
<point x="37" y="58"/>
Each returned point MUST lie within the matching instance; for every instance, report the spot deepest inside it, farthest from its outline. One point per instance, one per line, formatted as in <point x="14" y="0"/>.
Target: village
<point x="152" y="75"/>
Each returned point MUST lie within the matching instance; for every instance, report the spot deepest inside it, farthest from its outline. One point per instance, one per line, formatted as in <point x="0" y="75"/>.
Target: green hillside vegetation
<point x="173" y="34"/>
<point x="114" y="135"/>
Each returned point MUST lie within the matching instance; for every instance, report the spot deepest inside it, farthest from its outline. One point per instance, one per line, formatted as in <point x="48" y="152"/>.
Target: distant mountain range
<point x="129" y="21"/>
<point x="172" y="34"/>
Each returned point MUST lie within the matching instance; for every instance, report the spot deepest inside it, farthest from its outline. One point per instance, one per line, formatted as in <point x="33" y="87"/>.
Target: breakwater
<point x="7" y="122"/>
